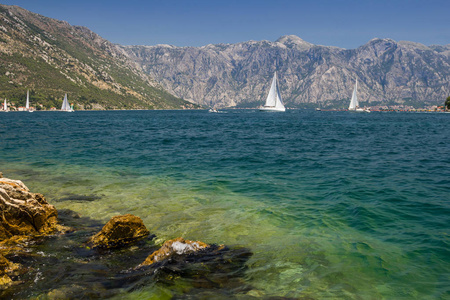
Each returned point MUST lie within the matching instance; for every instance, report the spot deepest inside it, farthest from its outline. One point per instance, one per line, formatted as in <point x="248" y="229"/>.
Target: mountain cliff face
<point x="51" y="57"/>
<point x="226" y="75"/>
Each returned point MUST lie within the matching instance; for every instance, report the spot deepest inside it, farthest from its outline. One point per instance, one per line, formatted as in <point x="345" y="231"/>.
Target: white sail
<point x="5" y="107"/>
<point x="66" y="106"/>
<point x="27" y="105"/>
<point x="274" y="101"/>
<point x="354" y="102"/>
<point x="272" y="96"/>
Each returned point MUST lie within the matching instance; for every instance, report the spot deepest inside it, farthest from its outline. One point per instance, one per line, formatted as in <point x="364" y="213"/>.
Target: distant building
<point x="22" y="108"/>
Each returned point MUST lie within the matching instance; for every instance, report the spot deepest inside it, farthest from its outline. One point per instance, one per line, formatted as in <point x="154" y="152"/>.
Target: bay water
<point x="331" y="204"/>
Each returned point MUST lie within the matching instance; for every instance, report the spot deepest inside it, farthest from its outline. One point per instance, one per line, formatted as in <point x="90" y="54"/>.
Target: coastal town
<point x="399" y="108"/>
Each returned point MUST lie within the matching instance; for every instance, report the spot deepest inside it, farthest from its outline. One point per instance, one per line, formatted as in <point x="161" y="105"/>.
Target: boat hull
<point x="359" y="110"/>
<point x="272" y="109"/>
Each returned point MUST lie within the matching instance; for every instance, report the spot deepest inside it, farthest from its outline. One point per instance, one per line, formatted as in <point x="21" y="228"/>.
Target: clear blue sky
<point x="343" y="23"/>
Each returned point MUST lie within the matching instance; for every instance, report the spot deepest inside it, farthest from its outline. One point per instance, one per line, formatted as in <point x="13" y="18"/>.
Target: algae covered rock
<point x="6" y="268"/>
<point x="119" y="231"/>
<point x="23" y="212"/>
<point x="5" y="280"/>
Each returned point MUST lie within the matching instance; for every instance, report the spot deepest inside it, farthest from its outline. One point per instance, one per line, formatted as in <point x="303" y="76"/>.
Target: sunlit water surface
<point x="332" y="204"/>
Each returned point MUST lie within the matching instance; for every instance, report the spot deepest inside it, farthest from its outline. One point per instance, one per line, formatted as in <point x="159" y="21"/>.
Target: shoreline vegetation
<point x="13" y="107"/>
<point x="59" y="254"/>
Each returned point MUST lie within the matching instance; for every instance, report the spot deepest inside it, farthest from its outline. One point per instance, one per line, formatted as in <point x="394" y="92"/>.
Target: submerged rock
<point x="79" y="197"/>
<point x="178" y="246"/>
<point x="200" y="266"/>
<point x="119" y="231"/>
<point x="5" y="280"/>
<point x="76" y="291"/>
<point x="23" y="212"/>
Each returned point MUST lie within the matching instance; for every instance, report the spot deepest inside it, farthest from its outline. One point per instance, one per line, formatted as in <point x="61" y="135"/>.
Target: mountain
<point x="51" y="57"/>
<point x="226" y="75"/>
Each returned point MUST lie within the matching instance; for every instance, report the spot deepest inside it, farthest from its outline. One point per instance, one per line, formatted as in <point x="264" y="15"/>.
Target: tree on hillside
<point x="447" y="103"/>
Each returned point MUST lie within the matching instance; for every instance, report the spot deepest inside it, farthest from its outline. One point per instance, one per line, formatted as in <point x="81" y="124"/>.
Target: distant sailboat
<point x="354" y="104"/>
<point x="65" y="106"/>
<point x="273" y="101"/>
<point x="27" y="105"/>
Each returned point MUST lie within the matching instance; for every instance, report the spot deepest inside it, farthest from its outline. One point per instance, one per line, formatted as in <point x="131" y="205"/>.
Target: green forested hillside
<point x="51" y="57"/>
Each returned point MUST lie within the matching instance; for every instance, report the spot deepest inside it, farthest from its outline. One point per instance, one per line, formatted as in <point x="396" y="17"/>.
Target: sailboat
<point x="65" y="106"/>
<point x="5" y="106"/>
<point x="27" y="105"/>
<point x="354" y="104"/>
<point x="273" y="101"/>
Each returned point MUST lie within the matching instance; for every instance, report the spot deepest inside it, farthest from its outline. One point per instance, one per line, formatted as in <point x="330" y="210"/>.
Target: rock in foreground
<point x="24" y="216"/>
<point x="24" y="213"/>
<point x="119" y="231"/>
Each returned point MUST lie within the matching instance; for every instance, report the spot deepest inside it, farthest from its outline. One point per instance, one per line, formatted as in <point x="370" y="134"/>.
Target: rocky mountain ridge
<point x="227" y="75"/>
<point x="50" y="57"/>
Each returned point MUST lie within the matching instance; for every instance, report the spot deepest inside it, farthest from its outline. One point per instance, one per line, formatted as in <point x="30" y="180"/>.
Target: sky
<point x="342" y="23"/>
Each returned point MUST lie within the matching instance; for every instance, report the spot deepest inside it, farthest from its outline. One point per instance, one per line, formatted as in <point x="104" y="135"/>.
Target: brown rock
<point x="6" y="267"/>
<point x="24" y="213"/>
<point x="4" y="263"/>
<point x="176" y="246"/>
<point x="15" y="245"/>
<point x="5" y="281"/>
<point x="23" y="216"/>
<point x="119" y="231"/>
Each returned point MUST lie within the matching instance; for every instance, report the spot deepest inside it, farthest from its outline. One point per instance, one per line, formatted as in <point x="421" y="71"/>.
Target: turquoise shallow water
<point x="332" y="204"/>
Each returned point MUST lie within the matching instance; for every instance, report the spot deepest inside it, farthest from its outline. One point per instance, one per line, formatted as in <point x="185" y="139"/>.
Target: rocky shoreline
<point x="50" y="254"/>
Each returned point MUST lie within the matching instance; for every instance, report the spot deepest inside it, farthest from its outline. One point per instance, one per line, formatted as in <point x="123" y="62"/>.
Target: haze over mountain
<point x="226" y="75"/>
<point x="51" y="57"/>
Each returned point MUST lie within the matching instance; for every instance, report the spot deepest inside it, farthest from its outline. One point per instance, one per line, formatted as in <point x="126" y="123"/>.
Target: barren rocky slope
<point x="239" y="74"/>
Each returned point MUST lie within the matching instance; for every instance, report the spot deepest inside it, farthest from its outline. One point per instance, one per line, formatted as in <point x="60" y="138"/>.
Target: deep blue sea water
<point x="332" y="204"/>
